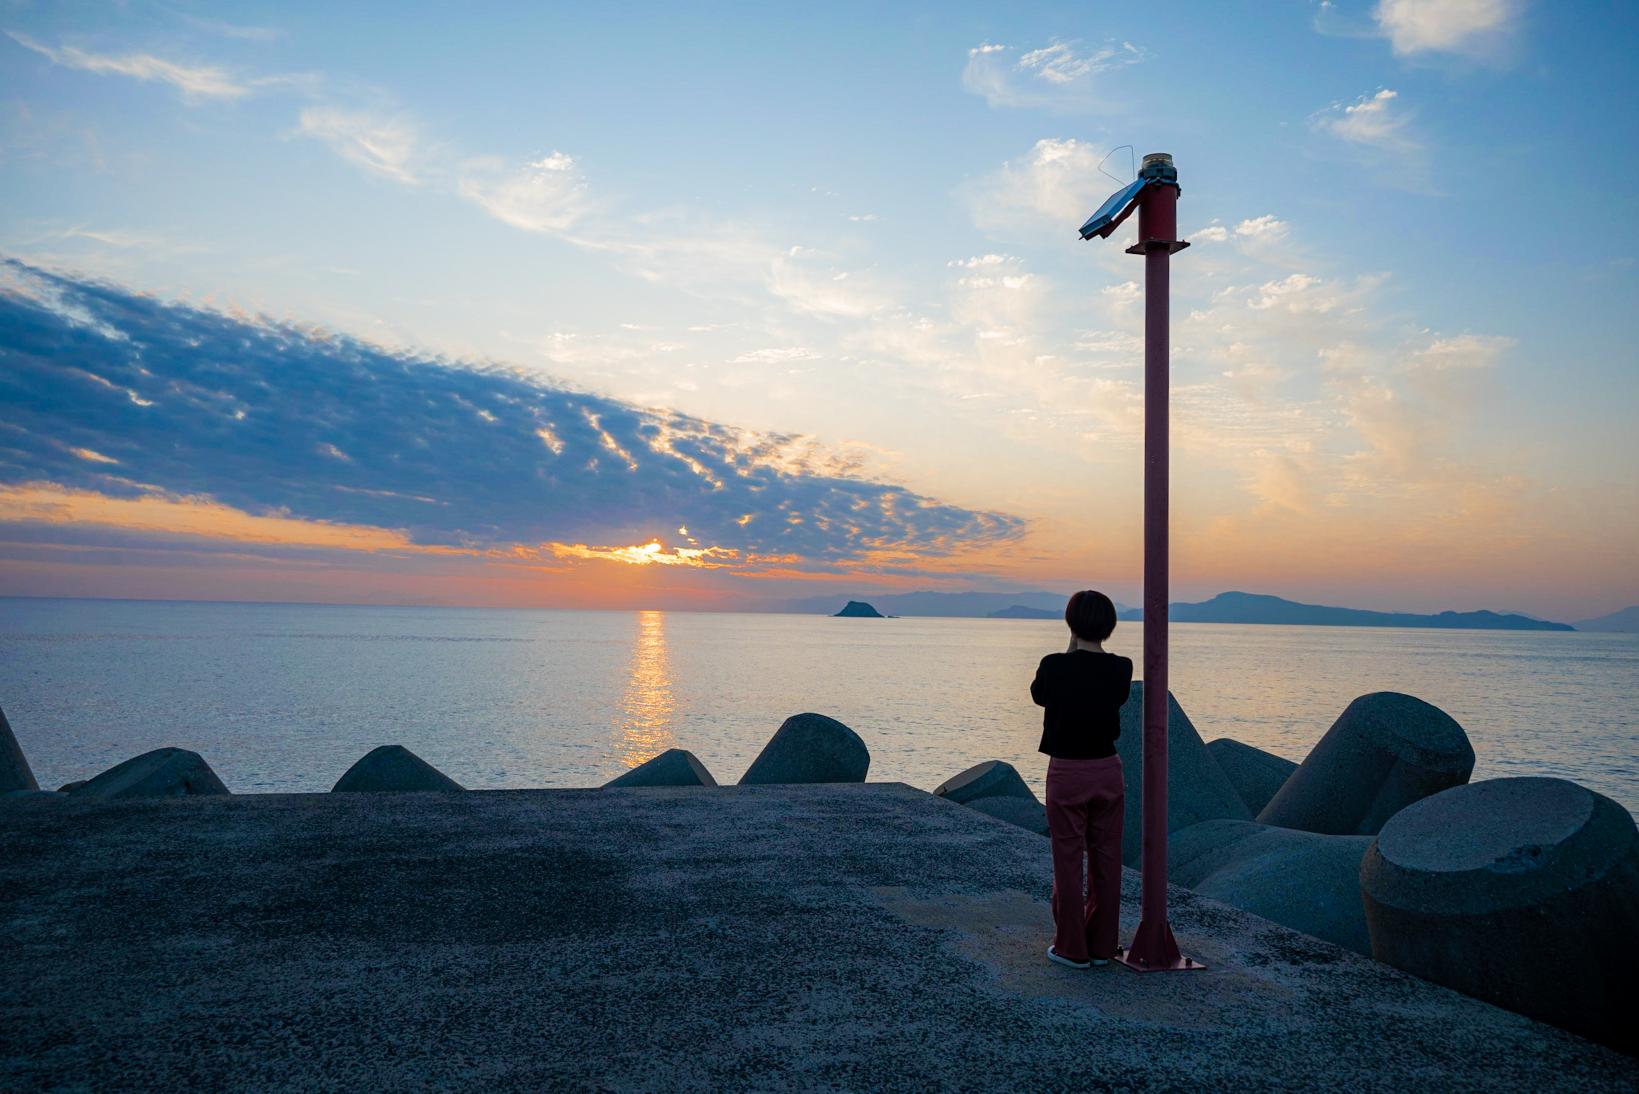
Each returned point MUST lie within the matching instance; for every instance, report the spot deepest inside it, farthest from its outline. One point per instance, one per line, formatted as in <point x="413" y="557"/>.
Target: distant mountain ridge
<point x="1260" y="608"/>
<point x="1626" y="621"/>
<point x="1231" y="607"/>
<point x="1021" y="611"/>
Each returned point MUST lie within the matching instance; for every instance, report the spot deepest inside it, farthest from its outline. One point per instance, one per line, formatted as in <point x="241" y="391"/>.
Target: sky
<point x="712" y="306"/>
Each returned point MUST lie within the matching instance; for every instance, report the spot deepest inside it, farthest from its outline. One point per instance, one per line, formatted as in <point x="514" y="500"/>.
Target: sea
<point x="285" y="697"/>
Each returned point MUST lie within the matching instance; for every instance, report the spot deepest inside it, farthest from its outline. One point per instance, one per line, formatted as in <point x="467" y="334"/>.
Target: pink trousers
<point x="1085" y="801"/>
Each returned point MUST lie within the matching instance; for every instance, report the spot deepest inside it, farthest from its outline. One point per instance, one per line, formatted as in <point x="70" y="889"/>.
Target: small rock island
<point x="858" y="609"/>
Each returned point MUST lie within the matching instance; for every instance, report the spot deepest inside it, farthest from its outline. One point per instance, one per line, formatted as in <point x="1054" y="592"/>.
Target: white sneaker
<point x="1053" y="955"/>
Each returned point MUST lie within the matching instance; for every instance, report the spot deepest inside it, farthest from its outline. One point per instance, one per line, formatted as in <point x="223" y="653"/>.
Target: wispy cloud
<point x="197" y="83"/>
<point x="240" y="31"/>
<point x="777" y="355"/>
<point x="1383" y="130"/>
<point x="547" y="195"/>
<point x="1058" y="75"/>
<point x="389" y="145"/>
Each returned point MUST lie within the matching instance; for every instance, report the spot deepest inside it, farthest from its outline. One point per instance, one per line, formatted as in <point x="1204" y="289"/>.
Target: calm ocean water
<point x="286" y="697"/>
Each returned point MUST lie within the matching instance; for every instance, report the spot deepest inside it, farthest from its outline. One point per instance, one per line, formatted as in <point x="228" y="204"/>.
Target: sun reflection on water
<point x="643" y="729"/>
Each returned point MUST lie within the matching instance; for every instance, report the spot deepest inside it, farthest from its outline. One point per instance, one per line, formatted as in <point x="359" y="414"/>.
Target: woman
<point x="1083" y="689"/>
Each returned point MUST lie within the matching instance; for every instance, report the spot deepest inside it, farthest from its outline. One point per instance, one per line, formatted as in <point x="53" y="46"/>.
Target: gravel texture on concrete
<point x="814" y="937"/>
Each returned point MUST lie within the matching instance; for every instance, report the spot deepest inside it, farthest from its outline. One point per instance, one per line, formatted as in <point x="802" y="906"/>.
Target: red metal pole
<point x="1153" y="947"/>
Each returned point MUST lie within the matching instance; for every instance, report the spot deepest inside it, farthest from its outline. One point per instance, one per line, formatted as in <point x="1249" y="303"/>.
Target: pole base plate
<point x="1180" y="964"/>
<point x="1155" y="950"/>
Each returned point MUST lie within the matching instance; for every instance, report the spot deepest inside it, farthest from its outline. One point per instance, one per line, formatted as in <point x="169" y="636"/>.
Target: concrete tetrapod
<point x="1026" y="813"/>
<point x="1197" y="788"/>
<point x="673" y="767"/>
<point x="14" y="770"/>
<point x="810" y="748"/>
<point x="1302" y="880"/>
<point x="991" y="779"/>
<point x="1255" y="774"/>
<point x="1523" y="892"/>
<point x="162" y="773"/>
<point x="393" y="769"/>
<point x="1384" y="752"/>
<point x="32" y="795"/>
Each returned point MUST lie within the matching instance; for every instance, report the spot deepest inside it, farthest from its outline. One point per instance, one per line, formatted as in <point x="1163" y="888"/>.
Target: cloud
<point x="1377" y="120"/>
<point x="387" y="145"/>
<point x="547" y="195"/>
<point x="777" y="355"/>
<point x="550" y="195"/>
<point x="813" y="288"/>
<point x="197" y="83"/>
<point x="1266" y="227"/>
<point x="1471" y="27"/>
<point x="1056" y="76"/>
<point x="1381" y="128"/>
<point x="124" y="397"/>
<point x="1056" y="181"/>
<point x="240" y="31"/>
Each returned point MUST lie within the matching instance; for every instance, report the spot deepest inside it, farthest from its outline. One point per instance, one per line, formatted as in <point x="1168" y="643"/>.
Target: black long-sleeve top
<point x="1083" y="692"/>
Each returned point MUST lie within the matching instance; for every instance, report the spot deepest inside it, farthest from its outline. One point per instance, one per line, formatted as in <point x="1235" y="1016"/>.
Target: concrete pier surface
<point x="826" y="936"/>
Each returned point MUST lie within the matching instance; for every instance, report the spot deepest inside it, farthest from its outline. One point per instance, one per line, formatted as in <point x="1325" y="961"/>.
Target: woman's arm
<point x="1041" y="687"/>
<point x="1122" y="685"/>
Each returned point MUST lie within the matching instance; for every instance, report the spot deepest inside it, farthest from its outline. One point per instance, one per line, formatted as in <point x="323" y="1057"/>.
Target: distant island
<point x="858" y="609"/>
<point x="1626" y="621"/>
<point x="976" y="605"/>
<point x="1256" y="608"/>
<point x="1021" y="611"/>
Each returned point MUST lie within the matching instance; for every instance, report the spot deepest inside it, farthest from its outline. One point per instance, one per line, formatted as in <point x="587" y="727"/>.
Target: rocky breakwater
<point x="393" y="769"/>
<point x="1303" y="870"/>
<point x="1523" y="892"/>
<point x="810" y="748"/>
<point x="996" y="789"/>
<point x="1197" y="788"/>
<point x="1384" y="752"/>
<point x="673" y="767"/>
<point x="1303" y="880"/>
<point x="1256" y="775"/>
<point x="16" y="777"/>
<point x="807" y="748"/>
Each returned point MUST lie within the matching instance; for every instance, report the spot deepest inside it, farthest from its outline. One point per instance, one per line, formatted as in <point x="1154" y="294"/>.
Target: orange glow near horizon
<point x="1348" y="559"/>
<point x="46" y="503"/>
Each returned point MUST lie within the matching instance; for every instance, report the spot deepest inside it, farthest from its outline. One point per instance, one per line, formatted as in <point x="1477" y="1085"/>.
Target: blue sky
<point x="1403" y="359"/>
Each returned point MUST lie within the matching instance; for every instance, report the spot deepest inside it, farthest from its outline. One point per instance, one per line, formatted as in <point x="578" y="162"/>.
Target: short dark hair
<point x="1091" y="615"/>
